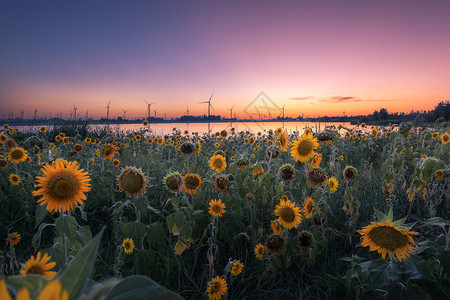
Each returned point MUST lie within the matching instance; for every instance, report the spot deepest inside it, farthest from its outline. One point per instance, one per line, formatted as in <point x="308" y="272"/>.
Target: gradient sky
<point x="314" y="57"/>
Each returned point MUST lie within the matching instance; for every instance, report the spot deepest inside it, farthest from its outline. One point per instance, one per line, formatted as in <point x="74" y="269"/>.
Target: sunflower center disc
<point x="63" y="186"/>
<point x="2" y="163"/>
<point x="35" y="269"/>
<point x="192" y="182"/>
<point x="388" y="238"/>
<point x="287" y="214"/>
<point x="16" y="154"/>
<point x="304" y="148"/>
<point x="218" y="163"/>
<point x="132" y="182"/>
<point x="216" y="208"/>
<point x="446" y="138"/>
<point x="172" y="183"/>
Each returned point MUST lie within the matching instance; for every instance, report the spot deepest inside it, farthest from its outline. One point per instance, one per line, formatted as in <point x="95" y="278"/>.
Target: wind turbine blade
<point x="152" y="103"/>
<point x="109" y="102"/>
<point x="145" y="101"/>
<point x="203" y="102"/>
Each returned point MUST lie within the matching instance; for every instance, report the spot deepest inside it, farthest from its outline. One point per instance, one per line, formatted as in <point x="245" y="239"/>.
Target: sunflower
<point x="374" y="132"/>
<point x="187" y="148"/>
<point x="303" y="148"/>
<point x="308" y="207"/>
<point x="387" y="237"/>
<point x="316" y="160"/>
<point x="3" y="163"/>
<point x="14" y="179"/>
<point x="14" y="238"/>
<point x="341" y="157"/>
<point x="223" y="134"/>
<point x="132" y="181"/>
<point x="350" y="173"/>
<point x="3" y="138"/>
<point x="149" y="140"/>
<point x="173" y="181"/>
<point x="333" y="184"/>
<point x="145" y="122"/>
<point x="439" y="174"/>
<point x="217" y="163"/>
<point x="287" y="172"/>
<point x="77" y="148"/>
<point x="116" y="162"/>
<point x="283" y="140"/>
<point x="258" y="170"/>
<point x="138" y="137"/>
<point x="191" y="183"/>
<point x="216" y="208"/>
<point x="276" y="228"/>
<point x="288" y="214"/>
<point x="43" y="129"/>
<point x="52" y="290"/>
<point x="217" y="287"/>
<point x="236" y="267"/>
<point x="17" y="155"/>
<point x="273" y="153"/>
<point x="160" y="141"/>
<point x="5" y="126"/>
<point x="259" y="251"/>
<point x="108" y="152"/>
<point x="304" y="239"/>
<point x="316" y="177"/>
<point x="276" y="244"/>
<point x="445" y="138"/>
<point x="62" y="186"/>
<point x="39" y="266"/>
<point x="221" y="183"/>
<point x="128" y="245"/>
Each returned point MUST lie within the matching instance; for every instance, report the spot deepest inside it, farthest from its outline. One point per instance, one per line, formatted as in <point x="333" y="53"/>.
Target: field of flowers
<point x="358" y="213"/>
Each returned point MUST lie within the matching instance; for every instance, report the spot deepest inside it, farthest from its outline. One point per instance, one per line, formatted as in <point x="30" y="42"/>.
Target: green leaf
<point x="37" y="236"/>
<point x="380" y="216"/>
<point x="134" y="230"/>
<point x="68" y="225"/>
<point x="390" y="215"/>
<point x="75" y="275"/>
<point x="41" y="212"/>
<point x="85" y="235"/>
<point x="33" y="283"/>
<point x="140" y="288"/>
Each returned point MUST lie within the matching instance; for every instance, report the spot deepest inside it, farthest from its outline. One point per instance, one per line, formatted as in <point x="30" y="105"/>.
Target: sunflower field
<point x="346" y="213"/>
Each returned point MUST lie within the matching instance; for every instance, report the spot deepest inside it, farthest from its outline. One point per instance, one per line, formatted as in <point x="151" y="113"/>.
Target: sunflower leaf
<point x="75" y="275"/>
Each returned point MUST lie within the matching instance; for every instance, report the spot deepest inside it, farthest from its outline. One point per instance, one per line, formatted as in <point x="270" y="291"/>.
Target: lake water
<point x="166" y="128"/>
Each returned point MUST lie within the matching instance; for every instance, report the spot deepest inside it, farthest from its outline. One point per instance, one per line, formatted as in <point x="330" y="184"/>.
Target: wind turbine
<point x="209" y="104"/>
<point x="187" y="110"/>
<point x="155" y="114"/>
<point x="148" y="108"/>
<point x="283" y="110"/>
<point x="124" y="113"/>
<point x="231" y="112"/>
<point x="21" y="113"/>
<point x="87" y="114"/>
<point x="74" y="111"/>
<point x="35" y="113"/>
<point x="107" y="109"/>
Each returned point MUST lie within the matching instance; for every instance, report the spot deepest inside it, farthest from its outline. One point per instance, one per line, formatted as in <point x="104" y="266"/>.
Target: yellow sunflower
<point x="145" y="122"/>
<point x="217" y="163"/>
<point x="39" y="266"/>
<point x="53" y="291"/>
<point x="236" y="267"/>
<point x="387" y="237"/>
<point x="217" y="287"/>
<point x="288" y="214"/>
<point x="308" y="207"/>
<point x="216" y="208"/>
<point x="303" y="148"/>
<point x="62" y="186"/>
<point x="275" y="226"/>
<point x="283" y="140"/>
<point x="191" y="183"/>
<point x="316" y="160"/>
<point x="43" y="129"/>
<point x="445" y="138"/>
<point x="108" y="152"/>
<point x="333" y="184"/>
<point x="14" y="179"/>
<point x="128" y="245"/>
<point x="259" y="251"/>
<point x="116" y="162"/>
<point x="132" y="181"/>
<point x="17" y="155"/>
<point x="14" y="238"/>
<point x="78" y="148"/>
<point x="223" y="134"/>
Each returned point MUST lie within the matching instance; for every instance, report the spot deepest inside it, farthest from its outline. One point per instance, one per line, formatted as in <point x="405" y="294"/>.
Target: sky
<point x="312" y="57"/>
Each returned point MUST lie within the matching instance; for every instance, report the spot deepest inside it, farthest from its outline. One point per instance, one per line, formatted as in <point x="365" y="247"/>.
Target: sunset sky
<point x="314" y="57"/>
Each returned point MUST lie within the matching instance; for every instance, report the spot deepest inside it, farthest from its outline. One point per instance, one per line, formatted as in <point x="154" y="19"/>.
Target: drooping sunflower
<point x="303" y="148"/>
<point x="288" y="214"/>
<point x="3" y="138"/>
<point x="187" y="148"/>
<point x="223" y="134"/>
<point x="333" y="184"/>
<point x="39" y="266"/>
<point x="173" y="181"/>
<point x="221" y="183"/>
<point x="14" y="238"/>
<point x="316" y="160"/>
<point x="3" y="163"/>
<point x="316" y="177"/>
<point x="191" y="183"/>
<point x="217" y="163"/>
<point x="236" y="267"/>
<point x="308" y="207"/>
<point x="78" y="148"/>
<point x="273" y="153"/>
<point x="259" y="251"/>
<point x="132" y="181"/>
<point x="387" y="237"/>
<point x="43" y="129"/>
<point x="287" y="172"/>
<point x="62" y="186"/>
<point x="276" y="244"/>
<point x="17" y="155"/>
<point x="304" y="239"/>
<point x="283" y="141"/>
<point x="109" y="151"/>
<point x="14" y="179"/>
<point x="217" y="287"/>
<point x="258" y="170"/>
<point x="216" y="208"/>
<point x="128" y="245"/>
<point x="445" y="138"/>
<point x="350" y="173"/>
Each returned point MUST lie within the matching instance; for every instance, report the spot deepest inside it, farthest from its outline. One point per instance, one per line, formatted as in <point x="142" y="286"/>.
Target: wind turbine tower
<point x="124" y="113"/>
<point x="209" y="104"/>
<point x="74" y="112"/>
<point x="231" y="112"/>
<point x="148" y="108"/>
<point x="107" y="109"/>
<point x="35" y="113"/>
